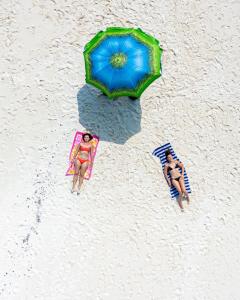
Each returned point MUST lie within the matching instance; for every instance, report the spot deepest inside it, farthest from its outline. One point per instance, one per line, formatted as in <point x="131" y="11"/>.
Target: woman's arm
<point x="165" y="172"/>
<point x="180" y="164"/>
<point x="91" y="154"/>
<point x="77" y="150"/>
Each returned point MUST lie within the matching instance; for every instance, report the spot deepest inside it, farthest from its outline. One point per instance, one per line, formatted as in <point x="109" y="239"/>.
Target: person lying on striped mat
<point x="176" y="178"/>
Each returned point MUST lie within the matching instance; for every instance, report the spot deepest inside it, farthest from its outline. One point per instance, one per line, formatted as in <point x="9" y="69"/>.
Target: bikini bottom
<point x="177" y="179"/>
<point x="82" y="160"/>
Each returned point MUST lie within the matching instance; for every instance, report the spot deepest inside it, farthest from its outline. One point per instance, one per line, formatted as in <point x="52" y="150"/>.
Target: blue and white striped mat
<point x="160" y="153"/>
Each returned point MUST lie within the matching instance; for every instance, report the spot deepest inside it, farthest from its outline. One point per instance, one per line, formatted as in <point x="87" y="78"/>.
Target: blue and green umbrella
<point x="122" y="61"/>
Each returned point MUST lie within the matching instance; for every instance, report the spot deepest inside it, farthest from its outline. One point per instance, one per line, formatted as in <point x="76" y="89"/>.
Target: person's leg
<point x="77" y="166"/>
<point x="176" y="184"/>
<point x="183" y="188"/>
<point x="83" y="169"/>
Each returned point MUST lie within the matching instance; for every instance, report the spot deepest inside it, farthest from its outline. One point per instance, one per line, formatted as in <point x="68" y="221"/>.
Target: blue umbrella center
<point x="118" y="60"/>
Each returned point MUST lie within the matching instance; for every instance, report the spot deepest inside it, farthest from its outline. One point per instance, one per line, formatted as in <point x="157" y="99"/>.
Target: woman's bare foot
<point x="78" y="190"/>
<point x="73" y="190"/>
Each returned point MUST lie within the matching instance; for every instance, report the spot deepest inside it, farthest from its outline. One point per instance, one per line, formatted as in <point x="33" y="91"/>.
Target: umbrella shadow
<point x="113" y="121"/>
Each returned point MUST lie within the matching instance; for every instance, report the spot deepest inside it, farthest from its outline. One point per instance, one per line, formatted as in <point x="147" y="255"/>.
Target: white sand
<point x="123" y="238"/>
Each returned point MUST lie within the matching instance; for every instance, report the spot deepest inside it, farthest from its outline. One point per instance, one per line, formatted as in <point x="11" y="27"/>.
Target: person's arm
<point x="76" y="153"/>
<point x="165" y="172"/>
<point x="180" y="164"/>
<point x="91" y="155"/>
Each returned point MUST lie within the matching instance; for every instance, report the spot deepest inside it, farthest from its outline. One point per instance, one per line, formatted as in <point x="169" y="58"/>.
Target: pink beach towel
<point x="76" y="142"/>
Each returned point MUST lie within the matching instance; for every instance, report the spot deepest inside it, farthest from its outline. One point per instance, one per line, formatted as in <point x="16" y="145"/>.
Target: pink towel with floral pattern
<point x="77" y="140"/>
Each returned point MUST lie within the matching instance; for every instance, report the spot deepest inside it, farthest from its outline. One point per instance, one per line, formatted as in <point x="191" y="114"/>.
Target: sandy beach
<point x="123" y="237"/>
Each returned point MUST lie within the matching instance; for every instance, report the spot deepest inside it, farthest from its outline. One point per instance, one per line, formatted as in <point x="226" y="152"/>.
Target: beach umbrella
<point x="122" y="61"/>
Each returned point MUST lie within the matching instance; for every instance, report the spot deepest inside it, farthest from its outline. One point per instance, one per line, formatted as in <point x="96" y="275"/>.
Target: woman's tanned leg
<point x="83" y="169"/>
<point x="183" y="188"/>
<point x="77" y="166"/>
<point x="176" y="184"/>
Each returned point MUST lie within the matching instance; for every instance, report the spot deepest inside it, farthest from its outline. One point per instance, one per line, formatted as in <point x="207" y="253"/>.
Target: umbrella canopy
<point x="122" y="61"/>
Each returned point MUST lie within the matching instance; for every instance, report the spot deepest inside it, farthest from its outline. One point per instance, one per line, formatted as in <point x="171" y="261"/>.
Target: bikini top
<point x="82" y="148"/>
<point x="176" y="166"/>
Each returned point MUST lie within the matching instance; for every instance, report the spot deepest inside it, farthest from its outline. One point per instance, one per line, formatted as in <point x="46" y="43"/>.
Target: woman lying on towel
<point x="81" y="161"/>
<point x="177" y="179"/>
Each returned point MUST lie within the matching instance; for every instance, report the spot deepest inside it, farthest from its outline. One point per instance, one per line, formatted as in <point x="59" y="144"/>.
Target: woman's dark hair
<point x="87" y="134"/>
<point x="167" y="152"/>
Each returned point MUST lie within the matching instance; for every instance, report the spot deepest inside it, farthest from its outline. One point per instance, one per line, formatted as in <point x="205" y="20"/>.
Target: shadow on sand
<point x="113" y="121"/>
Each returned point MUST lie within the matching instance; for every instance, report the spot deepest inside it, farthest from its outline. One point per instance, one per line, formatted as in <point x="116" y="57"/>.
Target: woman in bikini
<point x="177" y="179"/>
<point x="82" y="159"/>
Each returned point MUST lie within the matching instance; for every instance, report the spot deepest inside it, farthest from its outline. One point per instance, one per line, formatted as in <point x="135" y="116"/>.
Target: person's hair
<point x="167" y="152"/>
<point x="87" y="134"/>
